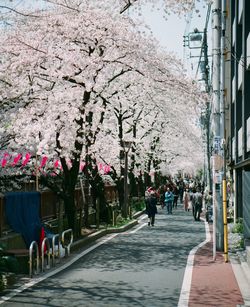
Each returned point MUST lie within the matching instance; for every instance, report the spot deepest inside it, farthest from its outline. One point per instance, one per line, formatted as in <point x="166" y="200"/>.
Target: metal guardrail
<point x="31" y="249"/>
<point x="45" y="241"/>
<point x="67" y="246"/>
<point x="54" y="251"/>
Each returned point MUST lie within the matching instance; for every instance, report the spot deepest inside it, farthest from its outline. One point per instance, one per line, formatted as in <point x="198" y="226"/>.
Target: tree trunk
<point x="132" y="184"/>
<point x="60" y="217"/>
<point x="70" y="209"/>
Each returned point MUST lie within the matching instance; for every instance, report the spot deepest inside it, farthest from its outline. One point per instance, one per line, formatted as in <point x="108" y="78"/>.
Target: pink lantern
<point x="107" y="169"/>
<point x="5" y="159"/>
<point x="44" y="161"/>
<point x="16" y="159"/>
<point x="26" y="160"/>
<point x="57" y="164"/>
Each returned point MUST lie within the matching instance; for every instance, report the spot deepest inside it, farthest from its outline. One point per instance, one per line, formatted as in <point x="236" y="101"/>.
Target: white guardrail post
<point x="54" y="251"/>
<point x="45" y="241"/>
<point x="32" y="246"/>
<point x="64" y="244"/>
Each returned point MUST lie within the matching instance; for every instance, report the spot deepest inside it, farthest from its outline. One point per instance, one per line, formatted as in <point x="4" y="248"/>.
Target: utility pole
<point x="203" y="65"/>
<point x="223" y="130"/>
<point x="208" y="108"/>
<point x="216" y="54"/>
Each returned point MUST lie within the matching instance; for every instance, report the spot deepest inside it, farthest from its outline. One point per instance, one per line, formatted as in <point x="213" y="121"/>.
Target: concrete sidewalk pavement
<point x="216" y="283"/>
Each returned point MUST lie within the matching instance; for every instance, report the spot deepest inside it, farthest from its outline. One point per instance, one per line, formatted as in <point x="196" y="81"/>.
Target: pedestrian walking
<point x="208" y="199"/>
<point x="190" y="206"/>
<point x="151" y="208"/>
<point x="176" y="195"/>
<point x="198" y="204"/>
<point x="193" y="200"/>
<point x="147" y="192"/>
<point x="169" y="198"/>
<point x="186" y="198"/>
<point x="181" y="191"/>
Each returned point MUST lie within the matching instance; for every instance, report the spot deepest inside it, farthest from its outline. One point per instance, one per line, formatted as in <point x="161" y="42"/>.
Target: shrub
<point x="238" y="226"/>
<point x="7" y="264"/>
<point x="138" y="205"/>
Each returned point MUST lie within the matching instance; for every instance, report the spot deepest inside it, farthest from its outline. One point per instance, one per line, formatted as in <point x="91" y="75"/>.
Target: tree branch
<point x="28" y="45"/>
<point x="126" y="7"/>
<point x="17" y="12"/>
<point x="63" y="5"/>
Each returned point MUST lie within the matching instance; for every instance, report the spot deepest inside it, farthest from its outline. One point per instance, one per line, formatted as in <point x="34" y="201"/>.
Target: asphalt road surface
<point x="143" y="267"/>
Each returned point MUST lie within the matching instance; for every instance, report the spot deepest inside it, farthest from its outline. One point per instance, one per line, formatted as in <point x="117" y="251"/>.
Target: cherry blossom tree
<point x="152" y="106"/>
<point x="62" y="74"/>
<point x="120" y="6"/>
<point x="168" y="6"/>
<point x="61" y="70"/>
<point x="73" y="79"/>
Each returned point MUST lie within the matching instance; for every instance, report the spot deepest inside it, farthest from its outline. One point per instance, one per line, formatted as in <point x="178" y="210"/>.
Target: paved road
<point x="142" y="267"/>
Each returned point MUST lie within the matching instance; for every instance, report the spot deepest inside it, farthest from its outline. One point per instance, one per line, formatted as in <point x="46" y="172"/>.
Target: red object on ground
<point x="41" y="238"/>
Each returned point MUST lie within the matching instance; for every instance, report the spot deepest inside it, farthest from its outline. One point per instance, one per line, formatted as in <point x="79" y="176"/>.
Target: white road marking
<point x="138" y="228"/>
<point x="35" y="281"/>
<point x="187" y="280"/>
<point x="186" y="285"/>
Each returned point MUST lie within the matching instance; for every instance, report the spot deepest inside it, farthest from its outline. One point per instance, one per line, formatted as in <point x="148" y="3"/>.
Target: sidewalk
<point x="216" y="283"/>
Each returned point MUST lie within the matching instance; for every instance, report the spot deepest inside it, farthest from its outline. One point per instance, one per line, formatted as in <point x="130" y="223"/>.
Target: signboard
<point x="217" y="144"/>
<point x="217" y="162"/>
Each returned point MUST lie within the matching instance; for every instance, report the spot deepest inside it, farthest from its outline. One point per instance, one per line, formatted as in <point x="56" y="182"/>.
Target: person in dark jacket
<point x="198" y="205"/>
<point x="176" y="196"/>
<point x="151" y="208"/>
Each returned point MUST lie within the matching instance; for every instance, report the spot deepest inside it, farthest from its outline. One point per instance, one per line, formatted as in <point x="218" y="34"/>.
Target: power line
<point x="204" y="43"/>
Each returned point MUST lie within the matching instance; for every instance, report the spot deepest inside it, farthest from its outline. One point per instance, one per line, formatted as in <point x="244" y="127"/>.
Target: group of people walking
<point x="191" y="197"/>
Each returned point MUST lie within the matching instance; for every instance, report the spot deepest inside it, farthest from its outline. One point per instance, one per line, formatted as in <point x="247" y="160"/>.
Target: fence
<point x="49" y="205"/>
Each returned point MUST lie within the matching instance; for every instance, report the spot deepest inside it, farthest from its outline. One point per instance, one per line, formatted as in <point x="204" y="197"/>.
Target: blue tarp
<point x="22" y="211"/>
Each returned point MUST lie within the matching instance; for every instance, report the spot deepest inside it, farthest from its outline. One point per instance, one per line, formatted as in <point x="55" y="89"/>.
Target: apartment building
<point x="237" y="78"/>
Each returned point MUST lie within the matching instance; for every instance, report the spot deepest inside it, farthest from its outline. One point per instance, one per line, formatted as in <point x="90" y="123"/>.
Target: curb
<point x="100" y="233"/>
<point x="23" y="281"/>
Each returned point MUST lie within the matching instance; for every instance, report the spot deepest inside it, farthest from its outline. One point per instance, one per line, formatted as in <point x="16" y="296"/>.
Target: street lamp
<point x="194" y="39"/>
<point x="126" y="147"/>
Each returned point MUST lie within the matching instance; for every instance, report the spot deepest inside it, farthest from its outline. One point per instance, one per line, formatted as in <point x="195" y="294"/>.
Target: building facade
<point x="237" y="78"/>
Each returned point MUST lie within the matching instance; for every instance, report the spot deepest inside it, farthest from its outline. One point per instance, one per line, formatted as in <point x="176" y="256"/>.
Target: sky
<point x="167" y="29"/>
<point x="169" y="32"/>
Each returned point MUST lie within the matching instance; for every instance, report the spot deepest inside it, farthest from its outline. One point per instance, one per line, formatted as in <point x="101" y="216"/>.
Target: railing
<point x="49" y="205"/>
<point x="45" y="243"/>
<point x="49" y="209"/>
<point x="54" y="251"/>
<point x="31" y="249"/>
<point x="65" y="244"/>
<point x="111" y="193"/>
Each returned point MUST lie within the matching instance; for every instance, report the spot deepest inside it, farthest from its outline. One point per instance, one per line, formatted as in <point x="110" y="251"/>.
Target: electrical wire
<point x="204" y="42"/>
